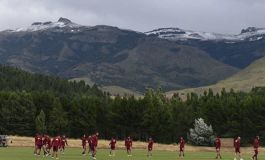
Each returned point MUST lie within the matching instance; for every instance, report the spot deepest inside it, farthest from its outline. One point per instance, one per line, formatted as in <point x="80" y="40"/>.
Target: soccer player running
<point x="128" y="145"/>
<point x="35" y="144"/>
<point x="218" y="148"/>
<point x="63" y="143"/>
<point x="181" y="147"/>
<point x="256" y="148"/>
<point x="46" y="145"/>
<point x="92" y="148"/>
<point x="38" y="144"/>
<point x="94" y="144"/>
<point x="84" y="142"/>
<point x="56" y="142"/>
<point x="237" y="148"/>
<point x="150" y="147"/>
<point x="112" y="146"/>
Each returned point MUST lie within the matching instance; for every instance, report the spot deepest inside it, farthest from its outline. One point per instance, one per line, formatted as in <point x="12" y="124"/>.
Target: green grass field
<point x="26" y="153"/>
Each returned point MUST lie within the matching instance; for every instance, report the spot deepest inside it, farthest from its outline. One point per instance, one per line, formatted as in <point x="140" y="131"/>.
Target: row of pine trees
<point x="50" y="105"/>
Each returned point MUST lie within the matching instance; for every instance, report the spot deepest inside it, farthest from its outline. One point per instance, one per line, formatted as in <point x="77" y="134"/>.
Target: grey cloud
<point x="223" y="16"/>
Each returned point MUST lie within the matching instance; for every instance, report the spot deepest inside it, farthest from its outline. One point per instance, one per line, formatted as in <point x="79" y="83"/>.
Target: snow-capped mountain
<point x="251" y="34"/>
<point x="38" y="26"/>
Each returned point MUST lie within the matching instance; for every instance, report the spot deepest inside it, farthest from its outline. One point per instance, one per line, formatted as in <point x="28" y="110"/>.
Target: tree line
<point x="31" y="103"/>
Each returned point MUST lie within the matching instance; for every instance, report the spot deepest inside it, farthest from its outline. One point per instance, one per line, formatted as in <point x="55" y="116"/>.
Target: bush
<point x="202" y="134"/>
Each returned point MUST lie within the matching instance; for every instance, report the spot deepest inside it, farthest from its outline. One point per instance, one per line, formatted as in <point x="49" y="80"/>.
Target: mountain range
<point x="170" y="58"/>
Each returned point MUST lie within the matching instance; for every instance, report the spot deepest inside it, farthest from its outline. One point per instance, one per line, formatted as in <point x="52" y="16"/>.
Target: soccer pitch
<point x="26" y="153"/>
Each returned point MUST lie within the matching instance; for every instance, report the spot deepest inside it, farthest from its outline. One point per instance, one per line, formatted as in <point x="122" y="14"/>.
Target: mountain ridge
<point x="176" y="34"/>
<point x="110" y="56"/>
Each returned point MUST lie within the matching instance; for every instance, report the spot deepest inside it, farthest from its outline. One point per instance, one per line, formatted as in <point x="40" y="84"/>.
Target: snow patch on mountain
<point x="38" y="26"/>
<point x="251" y="34"/>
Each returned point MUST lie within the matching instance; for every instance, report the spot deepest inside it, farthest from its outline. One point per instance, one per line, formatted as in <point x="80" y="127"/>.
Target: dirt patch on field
<point x="17" y="141"/>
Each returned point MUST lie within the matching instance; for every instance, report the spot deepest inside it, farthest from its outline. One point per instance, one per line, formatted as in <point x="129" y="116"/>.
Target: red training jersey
<point x="63" y="142"/>
<point x="38" y="140"/>
<point x="95" y="140"/>
<point x="182" y="143"/>
<point x="46" y="141"/>
<point x="256" y="143"/>
<point x="56" y="142"/>
<point x="237" y="143"/>
<point x="84" y="140"/>
<point x="128" y="142"/>
<point x="217" y="143"/>
<point x="112" y="143"/>
<point x="90" y="142"/>
<point x="150" y="143"/>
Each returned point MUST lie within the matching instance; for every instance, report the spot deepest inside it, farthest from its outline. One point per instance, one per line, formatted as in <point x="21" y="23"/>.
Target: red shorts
<point x="92" y="148"/>
<point x="181" y="149"/>
<point x="237" y="150"/>
<point x="150" y="148"/>
<point x="55" y="148"/>
<point x="39" y="146"/>
<point x="217" y="149"/>
<point x="112" y="147"/>
<point x="256" y="151"/>
<point x="128" y="148"/>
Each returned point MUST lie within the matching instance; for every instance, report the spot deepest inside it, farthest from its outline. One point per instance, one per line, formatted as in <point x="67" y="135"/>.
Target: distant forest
<point x="31" y="103"/>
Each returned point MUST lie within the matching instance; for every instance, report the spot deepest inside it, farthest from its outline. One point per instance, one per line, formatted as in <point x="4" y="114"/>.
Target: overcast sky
<point x="222" y="16"/>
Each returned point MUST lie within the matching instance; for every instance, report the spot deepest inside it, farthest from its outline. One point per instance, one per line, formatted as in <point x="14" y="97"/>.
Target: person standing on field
<point x="112" y="146"/>
<point x="256" y="148"/>
<point x="237" y="144"/>
<point x="94" y="144"/>
<point x="84" y="142"/>
<point x="63" y="143"/>
<point x="181" y="147"/>
<point x="128" y="145"/>
<point x="218" y="148"/>
<point x="56" y="142"/>
<point x="38" y="144"/>
<point x="150" y="147"/>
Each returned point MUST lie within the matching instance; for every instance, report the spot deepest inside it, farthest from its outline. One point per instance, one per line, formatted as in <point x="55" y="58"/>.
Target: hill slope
<point x="109" y="56"/>
<point x="245" y="80"/>
<point x="238" y="50"/>
<point x="13" y="79"/>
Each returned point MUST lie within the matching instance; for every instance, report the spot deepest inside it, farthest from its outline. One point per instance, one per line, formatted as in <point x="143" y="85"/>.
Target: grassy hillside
<point x="245" y="80"/>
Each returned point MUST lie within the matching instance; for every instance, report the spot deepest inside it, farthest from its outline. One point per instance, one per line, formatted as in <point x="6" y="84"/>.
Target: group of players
<point x="46" y="143"/>
<point x="90" y="143"/>
<point x="237" y="145"/>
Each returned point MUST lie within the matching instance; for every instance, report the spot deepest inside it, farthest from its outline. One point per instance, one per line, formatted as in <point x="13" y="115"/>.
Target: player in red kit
<point x="237" y="148"/>
<point x="35" y="144"/>
<point x="90" y="145"/>
<point x="95" y="139"/>
<point x="84" y="142"/>
<point x="256" y="148"/>
<point x="128" y="145"/>
<point x="218" y="148"/>
<point x="181" y="146"/>
<point x="38" y="144"/>
<point x="92" y="148"/>
<point x="112" y="146"/>
<point x="46" y="145"/>
<point x="56" y="142"/>
<point x="63" y="143"/>
<point x="150" y="147"/>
